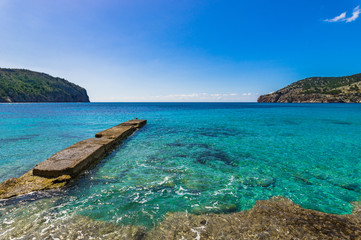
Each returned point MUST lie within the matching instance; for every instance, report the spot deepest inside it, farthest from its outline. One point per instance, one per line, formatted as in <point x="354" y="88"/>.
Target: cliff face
<point x="319" y="90"/>
<point x="19" y="85"/>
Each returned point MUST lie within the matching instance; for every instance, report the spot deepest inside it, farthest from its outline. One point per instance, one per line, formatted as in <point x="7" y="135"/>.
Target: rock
<point x="263" y="181"/>
<point x="199" y="185"/>
<point x="30" y="183"/>
<point x="352" y="186"/>
<point x="221" y="208"/>
<point x="77" y="227"/>
<point x="276" y="218"/>
<point x="300" y="178"/>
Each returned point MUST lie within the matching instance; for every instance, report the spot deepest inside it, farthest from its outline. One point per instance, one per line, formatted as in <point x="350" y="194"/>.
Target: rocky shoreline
<point x="276" y="218"/>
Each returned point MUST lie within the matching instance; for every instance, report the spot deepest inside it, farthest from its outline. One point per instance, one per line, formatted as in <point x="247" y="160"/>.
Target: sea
<point x="197" y="158"/>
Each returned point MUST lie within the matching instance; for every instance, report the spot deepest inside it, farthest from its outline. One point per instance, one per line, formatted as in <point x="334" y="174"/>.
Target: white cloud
<point x="355" y="14"/>
<point x="342" y="17"/>
<point x="338" y="18"/>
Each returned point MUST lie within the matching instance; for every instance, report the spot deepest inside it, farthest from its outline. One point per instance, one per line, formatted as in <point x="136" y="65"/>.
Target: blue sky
<point x="158" y="50"/>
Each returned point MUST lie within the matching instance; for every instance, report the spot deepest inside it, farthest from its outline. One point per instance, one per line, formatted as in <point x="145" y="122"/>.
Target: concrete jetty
<point x="59" y="169"/>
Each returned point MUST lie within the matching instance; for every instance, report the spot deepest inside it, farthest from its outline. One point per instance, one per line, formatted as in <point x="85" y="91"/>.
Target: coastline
<point x="175" y="142"/>
<point x="275" y="218"/>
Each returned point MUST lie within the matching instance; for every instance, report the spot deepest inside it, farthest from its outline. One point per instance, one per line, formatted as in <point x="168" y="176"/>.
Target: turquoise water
<point x="194" y="157"/>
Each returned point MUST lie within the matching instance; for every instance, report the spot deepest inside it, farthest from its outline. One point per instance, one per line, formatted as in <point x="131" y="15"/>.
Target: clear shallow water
<point x="194" y="157"/>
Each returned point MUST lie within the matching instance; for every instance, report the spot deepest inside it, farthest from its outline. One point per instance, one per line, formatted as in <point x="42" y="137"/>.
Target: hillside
<point x="20" y="85"/>
<point x="319" y="90"/>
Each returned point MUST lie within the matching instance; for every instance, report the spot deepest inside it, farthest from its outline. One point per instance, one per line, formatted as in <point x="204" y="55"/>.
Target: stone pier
<point x="59" y="169"/>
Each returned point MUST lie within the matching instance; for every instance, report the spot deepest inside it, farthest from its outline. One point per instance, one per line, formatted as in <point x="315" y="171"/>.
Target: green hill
<point x="20" y="85"/>
<point x="319" y="90"/>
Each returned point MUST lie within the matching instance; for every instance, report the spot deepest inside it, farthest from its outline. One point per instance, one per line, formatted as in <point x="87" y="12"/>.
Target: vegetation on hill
<point x="20" y="85"/>
<point x="319" y="89"/>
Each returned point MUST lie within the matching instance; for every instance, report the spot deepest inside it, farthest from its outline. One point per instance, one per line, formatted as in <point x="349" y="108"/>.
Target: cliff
<point x="20" y="85"/>
<point x="319" y="90"/>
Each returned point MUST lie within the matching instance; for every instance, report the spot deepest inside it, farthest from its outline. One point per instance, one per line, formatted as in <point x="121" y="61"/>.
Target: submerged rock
<point x="198" y="185"/>
<point x="352" y="186"/>
<point x="78" y="227"/>
<point x="209" y="156"/>
<point x="259" y="181"/>
<point x="302" y="179"/>
<point x="218" y="132"/>
<point x="222" y="208"/>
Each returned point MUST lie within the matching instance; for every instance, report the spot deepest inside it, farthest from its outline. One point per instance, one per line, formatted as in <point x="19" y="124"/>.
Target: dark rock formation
<point x="19" y="85"/>
<point x="319" y="90"/>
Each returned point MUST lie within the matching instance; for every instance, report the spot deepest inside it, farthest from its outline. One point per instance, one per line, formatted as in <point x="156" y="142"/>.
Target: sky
<point x="181" y="50"/>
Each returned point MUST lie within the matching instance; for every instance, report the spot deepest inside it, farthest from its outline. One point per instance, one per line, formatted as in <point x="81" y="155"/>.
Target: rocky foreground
<point x="276" y="218"/>
<point x="318" y="90"/>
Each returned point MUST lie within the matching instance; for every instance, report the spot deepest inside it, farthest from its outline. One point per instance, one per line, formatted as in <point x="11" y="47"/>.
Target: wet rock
<point x="29" y="183"/>
<point x="276" y="218"/>
<point x="78" y="227"/>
